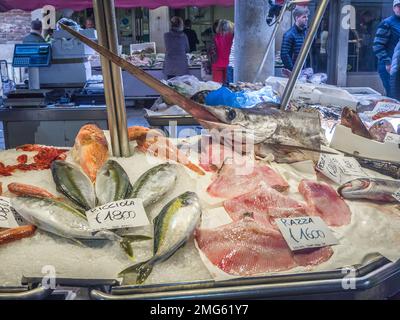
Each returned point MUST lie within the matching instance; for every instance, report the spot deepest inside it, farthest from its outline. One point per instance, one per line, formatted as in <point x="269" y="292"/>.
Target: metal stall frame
<point x="379" y="279"/>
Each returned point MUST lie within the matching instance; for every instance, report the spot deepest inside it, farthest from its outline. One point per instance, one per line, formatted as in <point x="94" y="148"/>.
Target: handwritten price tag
<point x="385" y="106"/>
<point x="392" y="138"/>
<point x="339" y="168"/>
<point x="306" y="232"/>
<point x="117" y="215"/>
<point x="7" y="218"/>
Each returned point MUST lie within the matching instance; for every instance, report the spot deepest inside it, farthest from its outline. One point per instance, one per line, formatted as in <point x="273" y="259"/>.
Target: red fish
<point x="264" y="205"/>
<point x="245" y="248"/>
<point x="234" y="180"/>
<point x="325" y="202"/>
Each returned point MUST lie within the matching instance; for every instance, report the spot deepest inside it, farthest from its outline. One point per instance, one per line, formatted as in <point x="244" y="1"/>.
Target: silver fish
<point x="112" y="183"/>
<point x="58" y="218"/>
<point x="371" y="189"/>
<point x="270" y="129"/>
<point x="155" y="183"/>
<point x="172" y="229"/>
<point x="74" y="184"/>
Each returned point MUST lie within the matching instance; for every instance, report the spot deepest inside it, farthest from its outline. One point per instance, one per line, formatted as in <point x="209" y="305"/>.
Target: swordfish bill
<point x="195" y="109"/>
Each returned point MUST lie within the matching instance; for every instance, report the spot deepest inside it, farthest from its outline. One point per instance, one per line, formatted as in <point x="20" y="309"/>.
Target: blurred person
<point x="386" y="38"/>
<point x="35" y="35"/>
<point x="395" y="73"/>
<point x="176" y="47"/>
<point x="367" y="27"/>
<point x="231" y="65"/>
<point x="223" y="43"/>
<point x="89" y="23"/>
<point x="191" y="35"/>
<point x="294" y="38"/>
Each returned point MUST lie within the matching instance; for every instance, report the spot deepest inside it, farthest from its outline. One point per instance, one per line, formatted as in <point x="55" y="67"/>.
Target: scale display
<point x="32" y="55"/>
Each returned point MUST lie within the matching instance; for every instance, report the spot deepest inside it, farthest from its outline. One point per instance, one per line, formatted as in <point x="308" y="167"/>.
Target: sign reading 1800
<point x="118" y="214"/>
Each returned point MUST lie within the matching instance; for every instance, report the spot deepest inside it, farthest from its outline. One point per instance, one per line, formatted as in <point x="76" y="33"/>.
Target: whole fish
<point x="172" y="229"/>
<point x="112" y="183"/>
<point x="13" y="234"/>
<point x="74" y="184"/>
<point x="269" y="125"/>
<point x="388" y="168"/>
<point x="370" y="189"/>
<point x="352" y="120"/>
<point x="380" y="129"/>
<point x="155" y="183"/>
<point x="58" y="218"/>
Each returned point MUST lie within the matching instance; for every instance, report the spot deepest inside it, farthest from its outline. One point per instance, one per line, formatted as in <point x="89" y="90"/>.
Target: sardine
<point x="74" y="184"/>
<point x="155" y="183"/>
<point x="172" y="229"/>
<point x="370" y="189"/>
<point x="112" y="183"/>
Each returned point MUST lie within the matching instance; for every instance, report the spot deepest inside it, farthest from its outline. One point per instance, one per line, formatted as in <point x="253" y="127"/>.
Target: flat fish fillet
<point x="265" y="205"/>
<point x="325" y="202"/>
<point x="214" y="155"/>
<point x="234" y="180"/>
<point x="244" y="248"/>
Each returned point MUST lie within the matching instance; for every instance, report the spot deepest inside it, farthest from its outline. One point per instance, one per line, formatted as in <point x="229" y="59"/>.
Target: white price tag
<point x="7" y="218"/>
<point x="392" y="138"/>
<point x="385" y="106"/>
<point x="396" y="195"/>
<point x="306" y="232"/>
<point x="120" y="214"/>
<point x="339" y="168"/>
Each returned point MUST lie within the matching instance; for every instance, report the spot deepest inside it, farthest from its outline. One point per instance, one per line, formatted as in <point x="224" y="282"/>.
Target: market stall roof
<point x="77" y="5"/>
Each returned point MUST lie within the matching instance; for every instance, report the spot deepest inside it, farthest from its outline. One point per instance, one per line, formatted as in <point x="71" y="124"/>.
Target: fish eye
<point x="231" y="115"/>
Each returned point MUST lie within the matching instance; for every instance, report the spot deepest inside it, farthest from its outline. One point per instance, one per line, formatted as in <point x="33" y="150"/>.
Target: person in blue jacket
<point x="294" y="38"/>
<point x="386" y="38"/>
<point x="395" y="73"/>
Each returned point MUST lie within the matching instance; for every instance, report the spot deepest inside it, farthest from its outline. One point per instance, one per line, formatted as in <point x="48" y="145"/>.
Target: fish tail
<point x="126" y="246"/>
<point x="144" y="272"/>
<point x="133" y="269"/>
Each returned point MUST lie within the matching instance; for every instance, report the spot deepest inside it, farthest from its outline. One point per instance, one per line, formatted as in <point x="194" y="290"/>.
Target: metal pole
<point x="287" y="95"/>
<point x="271" y="40"/>
<point x="111" y="25"/>
<point x="107" y="36"/>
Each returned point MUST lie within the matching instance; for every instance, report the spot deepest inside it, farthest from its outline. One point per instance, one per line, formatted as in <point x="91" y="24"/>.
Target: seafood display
<point x="245" y="248"/>
<point x="172" y="229"/>
<point x="234" y="180"/>
<point x="156" y="144"/>
<point x="155" y="183"/>
<point x="370" y="189"/>
<point x="74" y="184"/>
<point x="380" y="129"/>
<point x="10" y="235"/>
<point x="20" y="189"/>
<point x="388" y="168"/>
<point x="112" y="183"/>
<point x="351" y="119"/>
<point x="90" y="149"/>
<point x="264" y="205"/>
<point x="323" y="201"/>
<point x="41" y="161"/>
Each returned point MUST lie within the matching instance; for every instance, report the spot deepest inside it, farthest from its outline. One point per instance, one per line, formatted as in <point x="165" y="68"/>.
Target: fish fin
<point x="133" y="269"/>
<point x="136" y="237"/>
<point x="143" y="272"/>
<point x="126" y="246"/>
<point x="81" y="244"/>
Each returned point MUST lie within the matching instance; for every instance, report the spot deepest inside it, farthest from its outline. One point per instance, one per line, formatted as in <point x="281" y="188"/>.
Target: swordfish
<point x="289" y="136"/>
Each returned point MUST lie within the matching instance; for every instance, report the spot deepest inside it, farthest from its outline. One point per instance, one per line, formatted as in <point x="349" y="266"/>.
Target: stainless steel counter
<point x="54" y="126"/>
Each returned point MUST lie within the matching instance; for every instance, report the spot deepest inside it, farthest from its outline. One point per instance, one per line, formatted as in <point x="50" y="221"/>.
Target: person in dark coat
<point x="294" y="38"/>
<point x="395" y="73"/>
<point x="191" y="35"/>
<point x="176" y="47"/>
<point x="386" y="38"/>
<point x="35" y="36"/>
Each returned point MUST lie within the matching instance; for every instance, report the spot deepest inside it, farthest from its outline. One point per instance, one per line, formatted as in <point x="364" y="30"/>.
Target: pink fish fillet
<point x="265" y="205"/>
<point x="234" y="180"/>
<point x="245" y="248"/>
<point x="325" y="202"/>
<point x="214" y="155"/>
